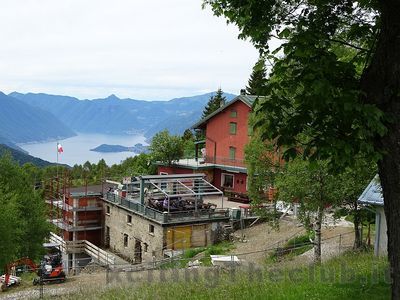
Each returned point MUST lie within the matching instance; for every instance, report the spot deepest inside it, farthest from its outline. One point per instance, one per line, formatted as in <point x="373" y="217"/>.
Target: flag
<point x="59" y="148"/>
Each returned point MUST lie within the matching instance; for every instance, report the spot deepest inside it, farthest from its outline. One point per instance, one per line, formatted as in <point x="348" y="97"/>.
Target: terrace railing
<point x="167" y="217"/>
<point x="218" y="160"/>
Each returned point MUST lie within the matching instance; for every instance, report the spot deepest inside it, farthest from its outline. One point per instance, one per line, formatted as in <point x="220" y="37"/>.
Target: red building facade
<point x="226" y="134"/>
<point x="81" y="217"/>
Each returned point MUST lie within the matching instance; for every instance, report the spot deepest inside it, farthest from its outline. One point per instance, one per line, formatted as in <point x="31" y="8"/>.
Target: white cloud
<point x="144" y="49"/>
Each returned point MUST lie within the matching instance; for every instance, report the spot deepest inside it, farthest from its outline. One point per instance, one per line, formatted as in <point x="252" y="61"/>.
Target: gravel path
<point x="261" y="237"/>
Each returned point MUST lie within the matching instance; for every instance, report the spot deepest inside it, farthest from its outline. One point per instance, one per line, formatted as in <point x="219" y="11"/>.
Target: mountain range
<point x="20" y="123"/>
<point x="113" y="115"/>
<point x="39" y="117"/>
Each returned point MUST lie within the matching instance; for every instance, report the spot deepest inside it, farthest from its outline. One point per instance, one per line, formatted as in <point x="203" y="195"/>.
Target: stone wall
<point x="125" y="237"/>
<point x="138" y="239"/>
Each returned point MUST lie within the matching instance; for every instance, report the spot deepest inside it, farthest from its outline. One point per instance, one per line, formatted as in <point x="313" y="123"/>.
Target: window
<point x="233" y="113"/>
<point x="108" y="210"/>
<point x="129" y="219"/>
<point x="151" y="229"/>
<point x="232" y="153"/>
<point x="126" y="238"/>
<point x="232" y="128"/>
<point x="145" y="247"/>
<point x="227" y="180"/>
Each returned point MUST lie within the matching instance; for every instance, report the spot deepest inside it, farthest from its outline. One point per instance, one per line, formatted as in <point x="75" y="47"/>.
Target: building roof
<point x="246" y="99"/>
<point x="373" y="193"/>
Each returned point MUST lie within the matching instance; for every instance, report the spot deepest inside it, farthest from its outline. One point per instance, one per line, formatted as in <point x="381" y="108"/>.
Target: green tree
<point x="138" y="165"/>
<point x="34" y="174"/>
<point x="9" y="226"/>
<point x="214" y="103"/>
<point x="353" y="181"/>
<point x="188" y="144"/>
<point x="261" y="169"/>
<point x="345" y="105"/>
<point x="23" y="224"/>
<point x="261" y="172"/>
<point x="258" y="81"/>
<point x="35" y="227"/>
<point x="188" y="135"/>
<point x="100" y="171"/>
<point x="314" y="189"/>
<point x="166" y="148"/>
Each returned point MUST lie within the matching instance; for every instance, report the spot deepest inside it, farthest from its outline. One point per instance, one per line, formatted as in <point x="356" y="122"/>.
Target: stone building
<point x="153" y="216"/>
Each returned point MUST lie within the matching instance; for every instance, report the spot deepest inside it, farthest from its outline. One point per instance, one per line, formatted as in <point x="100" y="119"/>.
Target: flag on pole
<point x="59" y="148"/>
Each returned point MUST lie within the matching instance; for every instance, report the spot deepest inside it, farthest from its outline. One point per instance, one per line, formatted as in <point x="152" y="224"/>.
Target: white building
<point x="372" y="195"/>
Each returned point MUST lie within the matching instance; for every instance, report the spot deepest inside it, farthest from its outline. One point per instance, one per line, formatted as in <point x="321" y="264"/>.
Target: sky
<point x="140" y="49"/>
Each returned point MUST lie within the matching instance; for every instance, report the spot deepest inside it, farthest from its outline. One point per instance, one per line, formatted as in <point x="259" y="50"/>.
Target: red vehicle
<point x="11" y="269"/>
<point x="49" y="270"/>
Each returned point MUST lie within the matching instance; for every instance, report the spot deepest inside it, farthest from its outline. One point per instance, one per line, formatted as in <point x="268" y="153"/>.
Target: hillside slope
<point x="21" y="122"/>
<point x="22" y="157"/>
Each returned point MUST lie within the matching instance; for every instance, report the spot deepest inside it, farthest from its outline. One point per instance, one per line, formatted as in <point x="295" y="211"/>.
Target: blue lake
<point x="77" y="148"/>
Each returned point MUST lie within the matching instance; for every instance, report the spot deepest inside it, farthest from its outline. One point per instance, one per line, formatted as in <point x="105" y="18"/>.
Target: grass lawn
<point x="351" y="276"/>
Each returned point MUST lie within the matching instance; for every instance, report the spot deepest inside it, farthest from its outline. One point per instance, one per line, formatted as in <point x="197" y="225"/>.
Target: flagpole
<point x="57" y="159"/>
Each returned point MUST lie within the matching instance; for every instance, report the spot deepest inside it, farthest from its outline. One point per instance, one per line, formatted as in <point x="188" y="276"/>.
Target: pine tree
<point x="214" y="103"/>
<point x="257" y="81"/>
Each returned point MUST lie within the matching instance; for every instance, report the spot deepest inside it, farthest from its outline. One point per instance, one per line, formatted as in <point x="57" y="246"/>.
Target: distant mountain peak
<point x="112" y="97"/>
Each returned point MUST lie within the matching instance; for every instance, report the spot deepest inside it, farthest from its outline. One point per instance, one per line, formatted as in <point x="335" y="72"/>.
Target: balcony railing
<point x="211" y="160"/>
<point x="167" y="217"/>
<point x="218" y="160"/>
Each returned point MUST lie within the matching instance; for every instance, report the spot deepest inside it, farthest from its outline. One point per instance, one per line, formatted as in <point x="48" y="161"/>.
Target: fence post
<point x="107" y="274"/>
<point x="340" y="243"/>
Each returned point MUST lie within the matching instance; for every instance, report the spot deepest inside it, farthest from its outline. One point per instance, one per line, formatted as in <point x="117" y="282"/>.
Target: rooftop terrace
<point x="169" y="198"/>
<point x="165" y="217"/>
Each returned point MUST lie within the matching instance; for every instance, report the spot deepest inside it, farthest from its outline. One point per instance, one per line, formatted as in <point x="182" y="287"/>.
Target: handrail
<point x="83" y="246"/>
<point x="166" y="217"/>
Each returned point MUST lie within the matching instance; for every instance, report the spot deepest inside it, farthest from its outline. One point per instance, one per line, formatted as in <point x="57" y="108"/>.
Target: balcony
<point x="211" y="162"/>
<point x="225" y="161"/>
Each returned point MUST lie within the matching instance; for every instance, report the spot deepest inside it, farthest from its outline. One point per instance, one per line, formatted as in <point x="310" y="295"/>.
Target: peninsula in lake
<point x="104" y="148"/>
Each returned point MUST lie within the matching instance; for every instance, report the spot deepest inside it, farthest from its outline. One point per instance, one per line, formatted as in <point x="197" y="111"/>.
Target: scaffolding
<point x="77" y="215"/>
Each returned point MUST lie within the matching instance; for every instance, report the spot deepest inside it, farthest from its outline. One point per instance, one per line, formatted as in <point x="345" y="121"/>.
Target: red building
<point x="222" y="151"/>
<point x="81" y="216"/>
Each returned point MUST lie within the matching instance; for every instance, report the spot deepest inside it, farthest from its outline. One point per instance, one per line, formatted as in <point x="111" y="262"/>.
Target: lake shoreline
<point x="77" y="149"/>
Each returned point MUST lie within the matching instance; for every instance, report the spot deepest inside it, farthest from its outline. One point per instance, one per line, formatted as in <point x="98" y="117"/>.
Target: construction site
<point x="138" y="220"/>
<point x="147" y="223"/>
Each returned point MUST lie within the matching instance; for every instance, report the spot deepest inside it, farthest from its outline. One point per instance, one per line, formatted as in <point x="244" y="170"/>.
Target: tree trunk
<point x="380" y="85"/>
<point x="317" y="239"/>
<point x="369" y="235"/>
<point x="357" y="231"/>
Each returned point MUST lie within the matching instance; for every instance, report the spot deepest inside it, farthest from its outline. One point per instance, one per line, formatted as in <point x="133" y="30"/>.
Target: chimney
<point x="242" y="92"/>
<point x="221" y="103"/>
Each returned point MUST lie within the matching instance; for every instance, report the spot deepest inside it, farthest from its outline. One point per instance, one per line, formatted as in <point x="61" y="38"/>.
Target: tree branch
<point x="348" y="44"/>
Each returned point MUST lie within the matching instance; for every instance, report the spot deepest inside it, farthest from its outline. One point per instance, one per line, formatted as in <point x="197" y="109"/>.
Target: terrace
<point x="169" y="199"/>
